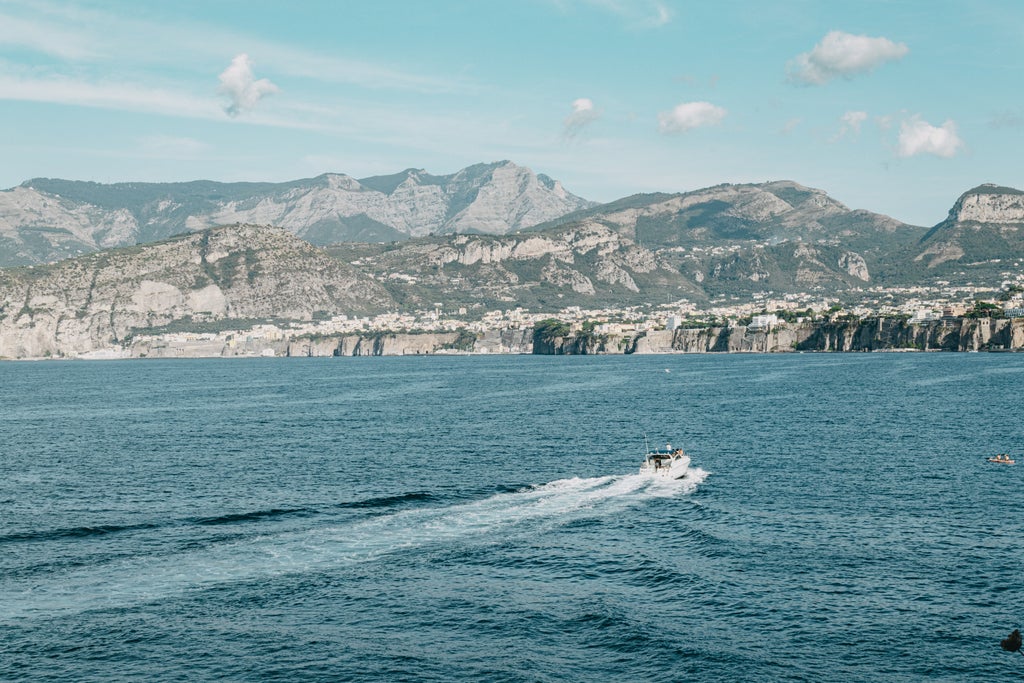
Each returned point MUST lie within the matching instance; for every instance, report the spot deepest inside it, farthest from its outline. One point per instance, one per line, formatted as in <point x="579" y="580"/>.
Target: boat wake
<point x="332" y="544"/>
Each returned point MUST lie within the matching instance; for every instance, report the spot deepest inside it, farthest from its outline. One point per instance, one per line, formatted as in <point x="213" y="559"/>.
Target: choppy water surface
<point x="467" y="518"/>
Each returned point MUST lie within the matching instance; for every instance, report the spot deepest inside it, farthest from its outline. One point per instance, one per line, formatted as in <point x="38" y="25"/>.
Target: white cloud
<point x="849" y="124"/>
<point x="241" y="87"/>
<point x="917" y="136"/>
<point x="852" y="120"/>
<point x="583" y="114"/>
<point x="690" y="115"/>
<point x="661" y="15"/>
<point x="843" y="55"/>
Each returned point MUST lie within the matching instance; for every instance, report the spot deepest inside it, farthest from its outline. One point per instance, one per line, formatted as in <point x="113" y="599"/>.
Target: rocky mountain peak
<point x="989" y="203"/>
<point x="802" y="197"/>
<point x="340" y="181"/>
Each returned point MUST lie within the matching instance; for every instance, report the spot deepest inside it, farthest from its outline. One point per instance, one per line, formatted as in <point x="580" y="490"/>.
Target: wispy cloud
<point x="689" y="115"/>
<point x="43" y="37"/>
<point x="1007" y="119"/>
<point x="917" y="136"/>
<point x="241" y="87"/>
<point x="123" y="96"/>
<point x="294" y="62"/>
<point x="583" y="114"/>
<point x="789" y="126"/>
<point x="849" y="125"/>
<point x="133" y="97"/>
<point x="171" y="147"/>
<point x="79" y="36"/>
<point x="843" y="55"/>
<point x="636" y="13"/>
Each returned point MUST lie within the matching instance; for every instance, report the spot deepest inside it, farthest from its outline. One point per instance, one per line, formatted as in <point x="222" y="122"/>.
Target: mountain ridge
<point x="46" y="219"/>
<point x="724" y="240"/>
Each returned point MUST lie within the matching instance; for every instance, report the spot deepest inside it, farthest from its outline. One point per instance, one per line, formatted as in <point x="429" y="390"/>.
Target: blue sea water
<point x="480" y="519"/>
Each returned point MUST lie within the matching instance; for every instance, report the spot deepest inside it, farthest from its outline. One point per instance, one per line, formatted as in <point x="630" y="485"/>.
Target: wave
<point x="258" y="515"/>
<point x="72" y="532"/>
<point x="388" y="501"/>
<point x="336" y="543"/>
<point x="215" y="520"/>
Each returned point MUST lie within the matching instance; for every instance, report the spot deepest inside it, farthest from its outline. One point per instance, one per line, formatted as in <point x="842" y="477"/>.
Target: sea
<point x="474" y="518"/>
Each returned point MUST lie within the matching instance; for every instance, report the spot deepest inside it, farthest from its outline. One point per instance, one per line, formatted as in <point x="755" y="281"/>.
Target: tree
<point x="984" y="309"/>
<point x="545" y="331"/>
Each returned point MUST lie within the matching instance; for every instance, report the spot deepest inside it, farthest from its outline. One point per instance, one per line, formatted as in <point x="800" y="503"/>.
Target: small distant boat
<point x="1003" y="459"/>
<point x="670" y="463"/>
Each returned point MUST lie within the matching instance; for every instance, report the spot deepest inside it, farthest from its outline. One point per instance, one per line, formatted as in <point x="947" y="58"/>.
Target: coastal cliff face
<point x="982" y="334"/>
<point x="422" y="344"/>
<point x="870" y="335"/>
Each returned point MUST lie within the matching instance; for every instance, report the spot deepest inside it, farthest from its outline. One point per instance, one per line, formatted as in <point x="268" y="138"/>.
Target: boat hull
<point x="675" y="468"/>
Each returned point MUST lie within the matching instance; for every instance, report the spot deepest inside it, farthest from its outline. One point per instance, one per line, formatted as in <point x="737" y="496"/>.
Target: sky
<point x="893" y="106"/>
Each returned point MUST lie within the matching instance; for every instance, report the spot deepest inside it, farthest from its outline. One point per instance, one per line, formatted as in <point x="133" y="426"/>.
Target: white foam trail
<point x="144" y="579"/>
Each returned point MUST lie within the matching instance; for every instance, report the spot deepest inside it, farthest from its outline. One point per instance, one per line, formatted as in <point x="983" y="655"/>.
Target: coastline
<point x="886" y="335"/>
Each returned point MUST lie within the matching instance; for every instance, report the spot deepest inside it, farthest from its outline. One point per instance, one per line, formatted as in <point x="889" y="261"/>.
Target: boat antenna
<point x="647" y="447"/>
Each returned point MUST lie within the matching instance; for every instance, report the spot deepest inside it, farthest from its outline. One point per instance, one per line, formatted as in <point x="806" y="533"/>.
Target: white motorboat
<point x="670" y="463"/>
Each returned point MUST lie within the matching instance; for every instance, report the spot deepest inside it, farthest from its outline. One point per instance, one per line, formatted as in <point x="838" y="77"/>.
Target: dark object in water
<point x="1012" y="642"/>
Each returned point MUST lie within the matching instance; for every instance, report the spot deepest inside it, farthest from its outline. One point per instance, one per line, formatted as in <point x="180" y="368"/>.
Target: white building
<point x="923" y="315"/>
<point x="764" y="322"/>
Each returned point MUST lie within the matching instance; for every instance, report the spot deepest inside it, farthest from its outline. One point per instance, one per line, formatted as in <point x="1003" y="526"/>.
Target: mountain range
<point x="548" y="249"/>
<point x="44" y="220"/>
<point x="722" y="241"/>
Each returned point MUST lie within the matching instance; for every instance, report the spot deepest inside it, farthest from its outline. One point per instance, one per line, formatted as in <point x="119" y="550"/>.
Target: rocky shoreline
<point x="874" y="335"/>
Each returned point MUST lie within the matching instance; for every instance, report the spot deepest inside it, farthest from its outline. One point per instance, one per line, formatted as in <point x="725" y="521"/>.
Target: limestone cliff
<point x="221" y="277"/>
<point x="989" y="203"/>
<point x="868" y="335"/>
<point x="986" y="224"/>
<point x="584" y="262"/>
<point x="206" y="346"/>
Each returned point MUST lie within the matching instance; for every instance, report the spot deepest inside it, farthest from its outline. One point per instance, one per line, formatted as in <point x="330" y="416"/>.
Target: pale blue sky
<point x="895" y="107"/>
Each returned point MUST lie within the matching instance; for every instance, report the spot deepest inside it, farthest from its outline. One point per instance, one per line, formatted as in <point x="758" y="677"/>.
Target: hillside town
<point x="915" y="305"/>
